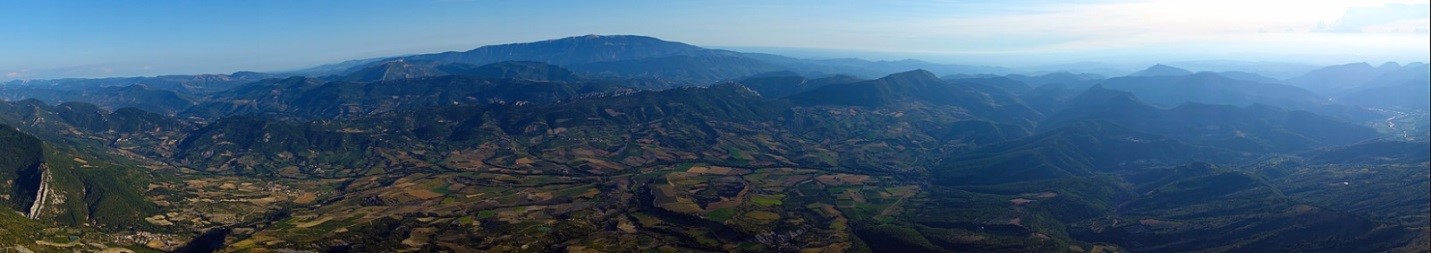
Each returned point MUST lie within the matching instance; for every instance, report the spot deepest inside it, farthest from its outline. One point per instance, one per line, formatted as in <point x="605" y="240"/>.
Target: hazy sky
<point x="46" y="39"/>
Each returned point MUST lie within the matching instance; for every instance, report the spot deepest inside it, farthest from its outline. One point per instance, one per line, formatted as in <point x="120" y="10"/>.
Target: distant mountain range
<point x="1161" y="70"/>
<point x="639" y="56"/>
<point x="1256" y="127"/>
<point x="1211" y="88"/>
<point x="403" y="69"/>
<point x="1361" y="84"/>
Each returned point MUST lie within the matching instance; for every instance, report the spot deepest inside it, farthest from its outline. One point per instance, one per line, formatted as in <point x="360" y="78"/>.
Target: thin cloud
<point x="1143" y="23"/>
<point x="1389" y="18"/>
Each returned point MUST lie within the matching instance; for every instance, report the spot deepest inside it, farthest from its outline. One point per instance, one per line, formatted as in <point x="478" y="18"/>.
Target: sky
<point x="51" y="39"/>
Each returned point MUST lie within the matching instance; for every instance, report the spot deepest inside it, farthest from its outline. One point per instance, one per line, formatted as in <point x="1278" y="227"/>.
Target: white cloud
<point x="1211" y="26"/>
<point x="1166" y="17"/>
<point x="1388" y="18"/>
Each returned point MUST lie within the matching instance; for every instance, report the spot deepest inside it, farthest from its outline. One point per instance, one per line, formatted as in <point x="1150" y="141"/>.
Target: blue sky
<point x="47" y="39"/>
